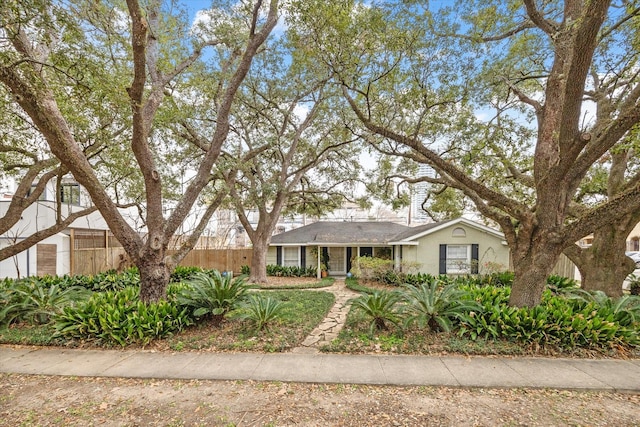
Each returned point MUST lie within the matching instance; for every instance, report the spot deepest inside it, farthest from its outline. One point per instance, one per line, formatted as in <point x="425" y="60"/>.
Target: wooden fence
<point x="218" y="259"/>
<point x="565" y="267"/>
<point x="98" y="251"/>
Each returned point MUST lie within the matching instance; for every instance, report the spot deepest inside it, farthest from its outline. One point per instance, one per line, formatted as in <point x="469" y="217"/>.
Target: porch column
<point x="319" y="273"/>
<point x="396" y="257"/>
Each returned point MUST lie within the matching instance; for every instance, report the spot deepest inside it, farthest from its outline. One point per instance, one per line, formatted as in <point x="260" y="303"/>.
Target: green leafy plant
<point x="261" y="310"/>
<point x="369" y="268"/>
<point x="435" y="306"/>
<point x="560" y="284"/>
<point x="120" y="318"/>
<point x="36" y="303"/>
<point x="575" y="320"/>
<point x="212" y="295"/>
<point x="290" y="271"/>
<point x="183" y="273"/>
<point x="245" y="270"/>
<point x="381" y="307"/>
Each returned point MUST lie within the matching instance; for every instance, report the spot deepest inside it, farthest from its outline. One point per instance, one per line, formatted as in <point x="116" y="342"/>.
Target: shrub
<point x="380" y="306"/>
<point x="499" y="278"/>
<point x="107" y="281"/>
<point x="119" y="317"/>
<point x="368" y="268"/>
<point x="560" y="284"/>
<point x="261" y="311"/>
<point x="558" y="321"/>
<point x="418" y="278"/>
<point x="184" y="273"/>
<point x="33" y="302"/>
<point x="435" y="306"/>
<point x="291" y="271"/>
<point x="212" y="295"/>
<point x="634" y="284"/>
<point x="245" y="270"/>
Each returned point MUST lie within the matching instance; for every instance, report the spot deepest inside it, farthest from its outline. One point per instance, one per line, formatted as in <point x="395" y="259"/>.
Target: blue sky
<point x="193" y="6"/>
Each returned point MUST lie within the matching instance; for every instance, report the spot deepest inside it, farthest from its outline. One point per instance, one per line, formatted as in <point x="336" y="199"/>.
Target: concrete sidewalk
<point x="450" y="371"/>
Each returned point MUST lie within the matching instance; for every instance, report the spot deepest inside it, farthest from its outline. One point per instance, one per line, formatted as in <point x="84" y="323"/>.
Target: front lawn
<point x="208" y="311"/>
<point x="467" y="316"/>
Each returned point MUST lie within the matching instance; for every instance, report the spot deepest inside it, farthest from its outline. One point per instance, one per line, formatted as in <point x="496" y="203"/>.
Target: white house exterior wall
<point x="28" y="260"/>
<point x="39" y="216"/>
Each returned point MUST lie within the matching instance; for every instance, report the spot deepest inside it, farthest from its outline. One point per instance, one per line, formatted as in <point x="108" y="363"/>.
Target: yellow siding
<point x="427" y="253"/>
<point x="271" y="256"/>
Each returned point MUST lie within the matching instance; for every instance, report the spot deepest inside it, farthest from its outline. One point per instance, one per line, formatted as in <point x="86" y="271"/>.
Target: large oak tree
<point x="417" y="77"/>
<point x="41" y="62"/>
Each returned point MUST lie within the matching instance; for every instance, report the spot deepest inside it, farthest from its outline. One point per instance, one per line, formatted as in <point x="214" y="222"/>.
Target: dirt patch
<point x="61" y="401"/>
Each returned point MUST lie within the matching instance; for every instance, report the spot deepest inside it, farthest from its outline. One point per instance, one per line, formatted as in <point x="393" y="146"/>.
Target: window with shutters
<point x="290" y="256"/>
<point x="458" y="259"/>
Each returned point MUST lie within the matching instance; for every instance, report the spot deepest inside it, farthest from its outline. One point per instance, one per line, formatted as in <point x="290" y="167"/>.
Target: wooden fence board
<point x="218" y="259"/>
<point x="93" y="261"/>
<point x="47" y="259"/>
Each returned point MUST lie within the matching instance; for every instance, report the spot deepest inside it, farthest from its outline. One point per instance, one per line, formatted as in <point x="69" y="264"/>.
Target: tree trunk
<point x="604" y="265"/>
<point x="259" y="262"/>
<point x="531" y="269"/>
<point x="154" y="276"/>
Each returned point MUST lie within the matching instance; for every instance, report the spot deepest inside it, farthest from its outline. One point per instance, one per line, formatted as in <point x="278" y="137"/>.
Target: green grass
<point x="354" y="285"/>
<point x="26" y="334"/>
<point x="324" y="283"/>
<point x="302" y="312"/>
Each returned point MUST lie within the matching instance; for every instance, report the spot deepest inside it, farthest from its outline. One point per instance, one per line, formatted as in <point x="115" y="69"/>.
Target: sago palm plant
<point x="380" y="306"/>
<point x="212" y="295"/>
<point x="261" y="310"/>
<point x="38" y="304"/>
<point x="436" y="306"/>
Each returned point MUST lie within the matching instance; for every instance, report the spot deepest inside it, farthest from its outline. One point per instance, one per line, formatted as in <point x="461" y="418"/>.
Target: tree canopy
<point x="493" y="96"/>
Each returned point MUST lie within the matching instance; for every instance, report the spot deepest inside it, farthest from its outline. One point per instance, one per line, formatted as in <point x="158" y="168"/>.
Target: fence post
<point x="72" y="252"/>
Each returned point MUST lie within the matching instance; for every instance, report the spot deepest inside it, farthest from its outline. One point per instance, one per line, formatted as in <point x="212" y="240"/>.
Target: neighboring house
<point x="633" y="241"/>
<point x="52" y="255"/>
<point x="458" y="246"/>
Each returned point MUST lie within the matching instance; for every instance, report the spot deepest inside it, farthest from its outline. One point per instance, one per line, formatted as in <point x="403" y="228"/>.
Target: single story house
<point x="458" y="246"/>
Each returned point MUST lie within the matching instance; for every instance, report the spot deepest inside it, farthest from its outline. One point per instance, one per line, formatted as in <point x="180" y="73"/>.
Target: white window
<point x="458" y="232"/>
<point x="290" y="256"/>
<point x="458" y="259"/>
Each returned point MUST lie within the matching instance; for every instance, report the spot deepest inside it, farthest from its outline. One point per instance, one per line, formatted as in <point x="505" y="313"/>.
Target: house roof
<point x="340" y="233"/>
<point x="416" y="233"/>
<point x="367" y="233"/>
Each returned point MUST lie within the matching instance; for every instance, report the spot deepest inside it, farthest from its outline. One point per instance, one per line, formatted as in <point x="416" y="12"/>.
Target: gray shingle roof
<point x="341" y="233"/>
<point x="412" y="231"/>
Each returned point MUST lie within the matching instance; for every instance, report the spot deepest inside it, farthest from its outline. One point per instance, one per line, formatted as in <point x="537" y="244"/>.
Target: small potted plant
<point x="323" y="270"/>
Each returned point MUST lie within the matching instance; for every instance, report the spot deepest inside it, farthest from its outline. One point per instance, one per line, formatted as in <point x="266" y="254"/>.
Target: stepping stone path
<point x="333" y="323"/>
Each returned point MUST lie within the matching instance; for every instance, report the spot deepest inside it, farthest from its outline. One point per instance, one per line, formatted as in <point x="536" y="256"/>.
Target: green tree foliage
<point x="491" y="95"/>
<point x="109" y="121"/>
<point x="307" y="164"/>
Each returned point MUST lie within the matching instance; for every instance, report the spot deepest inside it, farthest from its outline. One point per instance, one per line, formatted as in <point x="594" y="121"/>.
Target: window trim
<point x="285" y="260"/>
<point x="464" y="264"/>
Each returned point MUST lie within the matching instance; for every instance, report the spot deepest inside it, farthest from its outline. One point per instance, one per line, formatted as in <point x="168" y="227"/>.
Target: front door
<point x="337" y="261"/>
